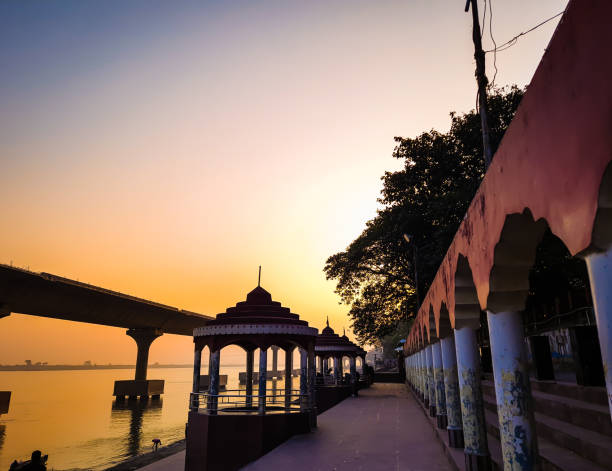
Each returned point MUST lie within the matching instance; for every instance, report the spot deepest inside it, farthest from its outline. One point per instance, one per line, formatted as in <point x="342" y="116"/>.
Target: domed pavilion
<point x="230" y="428"/>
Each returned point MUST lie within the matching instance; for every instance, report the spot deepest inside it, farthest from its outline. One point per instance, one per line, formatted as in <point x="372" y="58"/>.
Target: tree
<point x="426" y="199"/>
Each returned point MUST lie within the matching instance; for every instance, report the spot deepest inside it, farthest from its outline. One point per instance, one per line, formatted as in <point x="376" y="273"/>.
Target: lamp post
<point x="408" y="238"/>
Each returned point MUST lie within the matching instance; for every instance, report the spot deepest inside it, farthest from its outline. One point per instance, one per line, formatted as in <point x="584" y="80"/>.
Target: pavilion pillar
<point x="513" y="391"/>
<point x="197" y="362"/>
<point x="451" y="391"/>
<point x="337" y="375"/>
<point x="599" y="266"/>
<point x="274" y="361"/>
<point x="312" y="377"/>
<point x="353" y="373"/>
<point x="144" y="338"/>
<point x="304" y="378"/>
<point x="441" y="419"/>
<point x="476" y="448"/>
<point x="263" y="376"/>
<point x="431" y="392"/>
<point x="213" y="375"/>
<point x="288" y="376"/>
<point x="249" y="378"/>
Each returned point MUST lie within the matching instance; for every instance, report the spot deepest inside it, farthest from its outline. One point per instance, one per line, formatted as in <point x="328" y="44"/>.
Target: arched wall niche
<point x="467" y="307"/>
<point x="514" y="256"/>
<point x="432" y="329"/>
<point x="444" y="323"/>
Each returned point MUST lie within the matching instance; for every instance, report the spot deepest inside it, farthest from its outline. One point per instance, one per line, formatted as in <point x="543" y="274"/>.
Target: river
<point x="73" y="417"/>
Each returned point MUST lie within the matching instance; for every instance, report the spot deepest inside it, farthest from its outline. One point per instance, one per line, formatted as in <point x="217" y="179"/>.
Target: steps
<point x="573" y="433"/>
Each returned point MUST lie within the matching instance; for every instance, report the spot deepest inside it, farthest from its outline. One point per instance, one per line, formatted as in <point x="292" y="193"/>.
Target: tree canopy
<point x="426" y="202"/>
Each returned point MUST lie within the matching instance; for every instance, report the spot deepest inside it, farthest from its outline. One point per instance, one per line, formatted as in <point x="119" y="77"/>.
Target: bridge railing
<point x="237" y="401"/>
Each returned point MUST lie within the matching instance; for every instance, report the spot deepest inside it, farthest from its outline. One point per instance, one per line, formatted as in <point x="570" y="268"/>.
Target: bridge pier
<point x="140" y="386"/>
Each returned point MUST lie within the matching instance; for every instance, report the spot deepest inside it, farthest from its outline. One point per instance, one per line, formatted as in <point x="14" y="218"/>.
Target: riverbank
<point x="81" y="367"/>
<point x="145" y="459"/>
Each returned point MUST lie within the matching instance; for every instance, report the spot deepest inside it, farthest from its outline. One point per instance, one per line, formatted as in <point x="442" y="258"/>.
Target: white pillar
<point x="423" y="378"/>
<point x="470" y="392"/>
<point x="263" y="376"/>
<point x="431" y="393"/>
<point x="451" y="390"/>
<point x="600" y="274"/>
<point x="513" y="391"/>
<point x="440" y="395"/>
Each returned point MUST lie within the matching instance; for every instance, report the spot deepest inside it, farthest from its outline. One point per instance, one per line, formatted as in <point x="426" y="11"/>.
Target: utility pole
<point x="482" y="81"/>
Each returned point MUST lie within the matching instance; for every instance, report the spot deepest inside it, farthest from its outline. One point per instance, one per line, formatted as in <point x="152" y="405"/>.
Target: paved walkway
<point x="383" y="429"/>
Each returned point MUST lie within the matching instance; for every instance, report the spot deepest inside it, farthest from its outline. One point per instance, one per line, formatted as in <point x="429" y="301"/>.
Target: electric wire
<point x="514" y="40"/>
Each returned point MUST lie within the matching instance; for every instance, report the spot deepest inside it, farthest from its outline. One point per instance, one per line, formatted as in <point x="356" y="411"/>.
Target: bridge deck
<point x="47" y="295"/>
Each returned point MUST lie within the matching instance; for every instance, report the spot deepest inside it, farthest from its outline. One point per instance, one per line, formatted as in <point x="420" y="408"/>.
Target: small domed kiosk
<point x="227" y="429"/>
<point x="332" y="385"/>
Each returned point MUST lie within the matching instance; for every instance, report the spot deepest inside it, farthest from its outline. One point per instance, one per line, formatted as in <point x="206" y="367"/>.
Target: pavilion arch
<point x="514" y="256"/>
<point x="467" y="307"/>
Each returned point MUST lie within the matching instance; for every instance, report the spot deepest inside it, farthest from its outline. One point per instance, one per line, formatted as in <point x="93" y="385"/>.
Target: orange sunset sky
<point x="166" y="149"/>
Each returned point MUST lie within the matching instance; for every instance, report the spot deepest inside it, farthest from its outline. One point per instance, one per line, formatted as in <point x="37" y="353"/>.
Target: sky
<point x="167" y="149"/>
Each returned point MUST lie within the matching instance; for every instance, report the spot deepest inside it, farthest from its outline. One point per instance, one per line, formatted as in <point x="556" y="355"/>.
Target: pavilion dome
<point x="257" y="315"/>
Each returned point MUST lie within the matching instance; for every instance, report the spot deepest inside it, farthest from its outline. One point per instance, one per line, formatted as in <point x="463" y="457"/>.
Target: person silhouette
<point x="37" y="462"/>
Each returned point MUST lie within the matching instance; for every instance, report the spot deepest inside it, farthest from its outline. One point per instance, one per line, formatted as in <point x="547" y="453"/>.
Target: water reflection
<point x="136" y="412"/>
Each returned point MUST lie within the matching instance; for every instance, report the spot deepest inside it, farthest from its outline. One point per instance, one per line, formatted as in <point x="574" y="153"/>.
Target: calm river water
<point x="72" y="416"/>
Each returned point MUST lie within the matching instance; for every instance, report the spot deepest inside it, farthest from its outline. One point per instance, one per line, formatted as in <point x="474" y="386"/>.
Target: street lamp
<point x="408" y="238"/>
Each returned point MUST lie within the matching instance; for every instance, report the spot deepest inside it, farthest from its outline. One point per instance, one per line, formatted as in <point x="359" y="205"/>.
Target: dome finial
<point x="327" y="321"/>
<point x="344" y="331"/>
<point x="259" y="277"/>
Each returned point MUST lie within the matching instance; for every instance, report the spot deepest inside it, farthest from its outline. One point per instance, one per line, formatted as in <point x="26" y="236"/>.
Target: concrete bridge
<point x="552" y="170"/>
<point x="47" y="295"/>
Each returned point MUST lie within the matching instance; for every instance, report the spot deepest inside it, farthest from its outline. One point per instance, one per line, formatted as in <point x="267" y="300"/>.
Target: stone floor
<point x="382" y="429"/>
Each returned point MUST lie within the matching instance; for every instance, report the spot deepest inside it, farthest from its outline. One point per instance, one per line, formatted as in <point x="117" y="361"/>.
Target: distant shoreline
<point x="80" y="367"/>
<point x="87" y="367"/>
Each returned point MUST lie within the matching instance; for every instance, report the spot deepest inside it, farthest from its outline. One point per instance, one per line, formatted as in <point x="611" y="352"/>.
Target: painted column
<point x="422" y="382"/>
<point x="513" y="391"/>
<point x="249" y="378"/>
<point x="197" y="362"/>
<point x="431" y="393"/>
<point x="312" y="378"/>
<point x="213" y="375"/>
<point x="303" y="378"/>
<point x="438" y="370"/>
<point x="337" y="375"/>
<point x="353" y="373"/>
<point x="599" y="266"/>
<point x="470" y="393"/>
<point x="288" y="377"/>
<point x="274" y="361"/>
<point x="263" y="376"/>
<point x="451" y="390"/>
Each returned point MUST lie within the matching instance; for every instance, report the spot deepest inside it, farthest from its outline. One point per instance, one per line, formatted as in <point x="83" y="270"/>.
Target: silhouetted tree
<point x="427" y="199"/>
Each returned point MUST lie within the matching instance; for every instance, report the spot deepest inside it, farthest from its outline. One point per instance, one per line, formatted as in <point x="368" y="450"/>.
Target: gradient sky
<point x="166" y="149"/>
